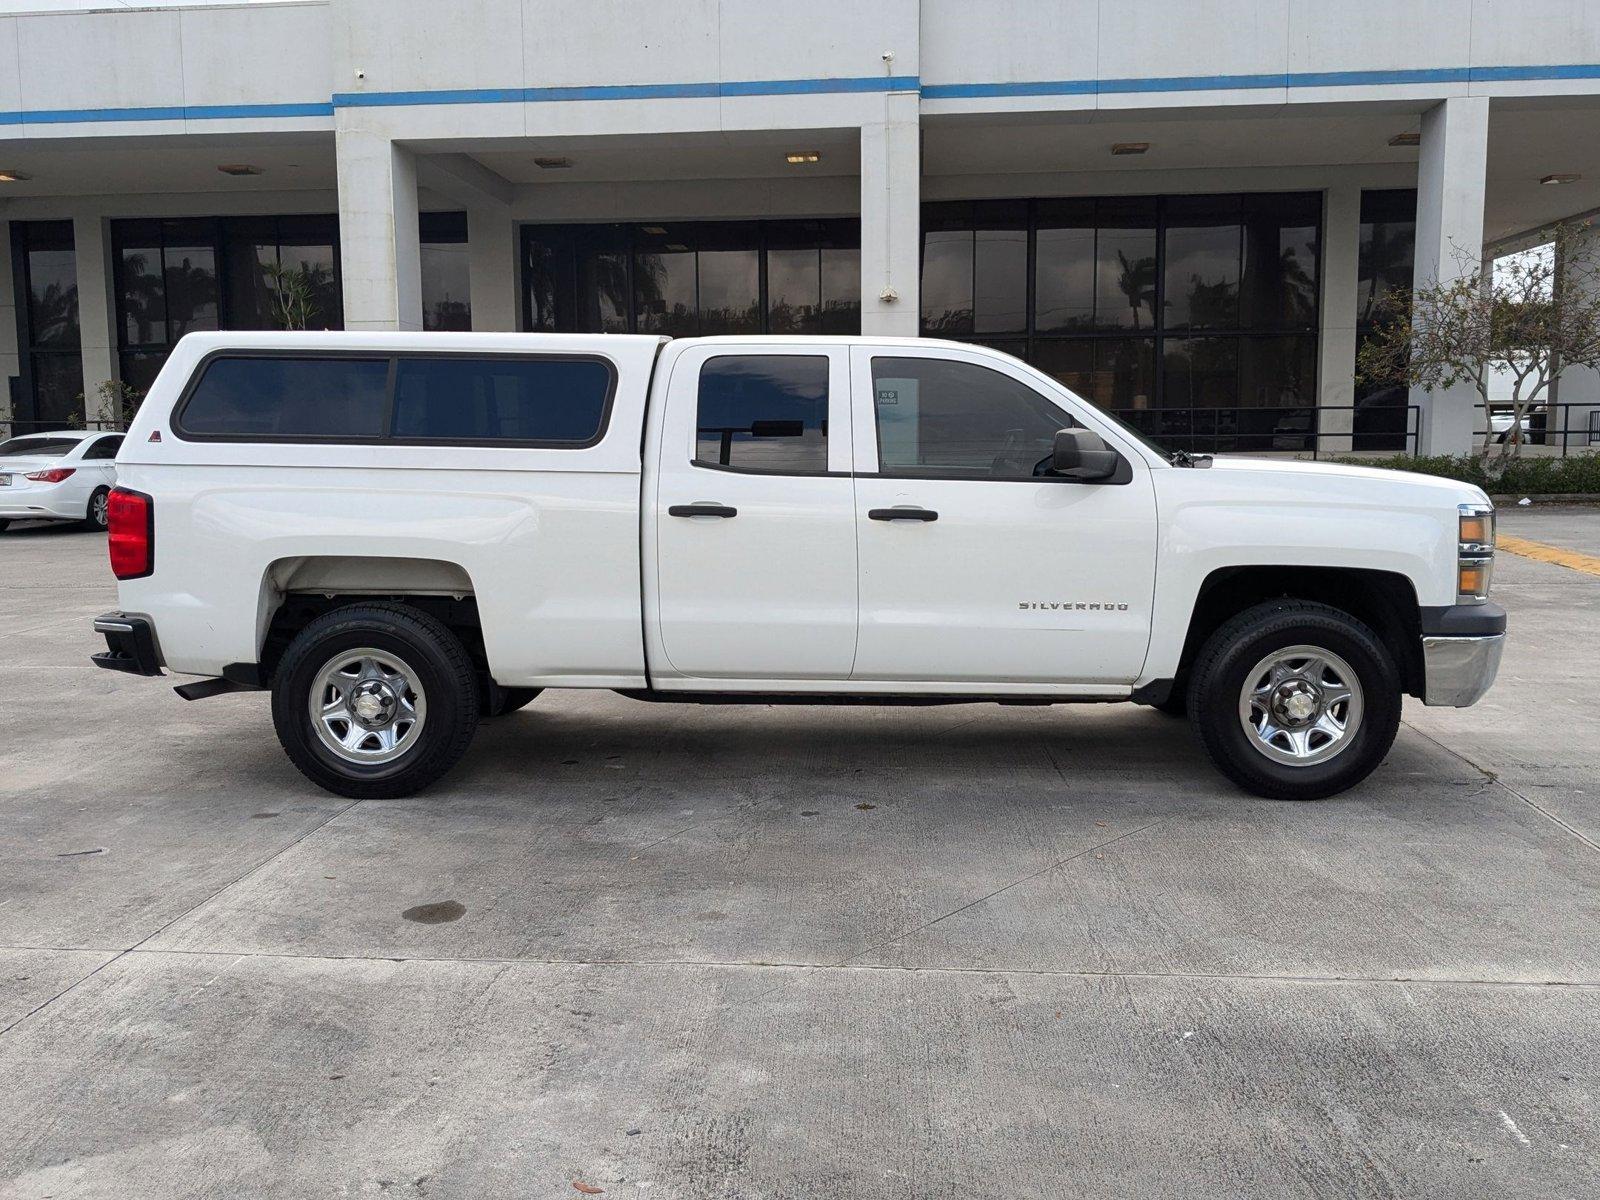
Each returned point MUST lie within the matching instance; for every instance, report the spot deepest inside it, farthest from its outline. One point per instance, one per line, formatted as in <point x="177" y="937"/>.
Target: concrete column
<point x="380" y="255"/>
<point x="492" y="267"/>
<point x="1579" y="387"/>
<point x="1450" y="185"/>
<point x="1336" y="342"/>
<point x="91" y="248"/>
<point x="891" y="219"/>
<point x="10" y="359"/>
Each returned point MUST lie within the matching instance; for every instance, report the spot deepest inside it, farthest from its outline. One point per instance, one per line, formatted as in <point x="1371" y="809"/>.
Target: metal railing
<point x="1316" y="431"/>
<point x="1546" y="430"/>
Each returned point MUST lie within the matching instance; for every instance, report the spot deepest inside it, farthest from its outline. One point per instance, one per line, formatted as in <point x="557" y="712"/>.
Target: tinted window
<point x="501" y="399"/>
<point x="105" y="448"/>
<point x="944" y="418"/>
<point x="272" y="397"/>
<point x="763" y="412"/>
<point x="37" y="447"/>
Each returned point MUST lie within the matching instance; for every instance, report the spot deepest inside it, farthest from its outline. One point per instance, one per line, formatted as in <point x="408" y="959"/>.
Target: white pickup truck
<point x="400" y="534"/>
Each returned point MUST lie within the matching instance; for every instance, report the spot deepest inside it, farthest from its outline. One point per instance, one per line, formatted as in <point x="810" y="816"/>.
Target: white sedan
<point x="63" y="476"/>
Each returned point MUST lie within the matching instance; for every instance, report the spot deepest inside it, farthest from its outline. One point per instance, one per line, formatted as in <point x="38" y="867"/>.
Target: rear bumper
<point x="130" y="644"/>
<point x="30" y="505"/>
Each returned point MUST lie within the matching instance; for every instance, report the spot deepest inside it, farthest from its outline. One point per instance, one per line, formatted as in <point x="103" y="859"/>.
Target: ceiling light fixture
<point x="238" y="169"/>
<point x="1564" y="177"/>
<point x="552" y="164"/>
<point x="653" y="230"/>
<point x="13" y="176"/>
<point x="1129" y="147"/>
<point x="1413" y="138"/>
<point x="797" y="158"/>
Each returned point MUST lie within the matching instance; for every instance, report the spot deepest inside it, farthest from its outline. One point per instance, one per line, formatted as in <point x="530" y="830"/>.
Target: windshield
<point x="37" y="447"/>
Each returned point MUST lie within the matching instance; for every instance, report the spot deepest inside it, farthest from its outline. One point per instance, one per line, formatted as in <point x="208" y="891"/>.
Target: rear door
<point x="754" y="514"/>
<point x="978" y="568"/>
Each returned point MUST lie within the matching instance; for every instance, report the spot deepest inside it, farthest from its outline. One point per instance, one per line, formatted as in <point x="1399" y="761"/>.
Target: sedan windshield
<point x="37" y="447"/>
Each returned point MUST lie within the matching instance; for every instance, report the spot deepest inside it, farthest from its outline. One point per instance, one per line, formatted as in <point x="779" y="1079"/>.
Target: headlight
<point x="1475" y="552"/>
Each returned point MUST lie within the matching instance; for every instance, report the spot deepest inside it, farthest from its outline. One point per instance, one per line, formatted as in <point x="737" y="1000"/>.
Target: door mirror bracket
<point x="1081" y="454"/>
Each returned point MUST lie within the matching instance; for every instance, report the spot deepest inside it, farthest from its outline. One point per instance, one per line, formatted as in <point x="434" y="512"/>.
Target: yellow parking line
<point x="1587" y="563"/>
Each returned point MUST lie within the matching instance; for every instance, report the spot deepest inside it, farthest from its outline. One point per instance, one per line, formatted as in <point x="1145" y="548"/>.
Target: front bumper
<point x="130" y="644"/>
<point x="1461" y="646"/>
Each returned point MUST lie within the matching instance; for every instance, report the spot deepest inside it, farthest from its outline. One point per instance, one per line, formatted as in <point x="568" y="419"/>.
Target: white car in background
<point x="62" y="476"/>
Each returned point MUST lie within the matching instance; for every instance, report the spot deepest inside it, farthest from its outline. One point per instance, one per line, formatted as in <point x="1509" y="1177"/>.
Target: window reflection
<point x="686" y="278"/>
<point x="1122" y="289"/>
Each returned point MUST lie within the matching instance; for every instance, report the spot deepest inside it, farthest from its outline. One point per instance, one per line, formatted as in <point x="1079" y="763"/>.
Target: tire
<point x="5" y="524"/>
<point x="1310" y="648"/>
<point x="396" y="662"/>
<point x="94" y="517"/>
<point x="503" y="701"/>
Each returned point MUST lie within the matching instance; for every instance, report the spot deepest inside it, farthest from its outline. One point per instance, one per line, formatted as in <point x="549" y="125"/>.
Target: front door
<point x="755" y="515"/>
<point x="976" y="568"/>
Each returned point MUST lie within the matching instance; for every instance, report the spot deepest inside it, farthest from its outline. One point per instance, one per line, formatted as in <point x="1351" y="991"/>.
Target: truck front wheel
<point x="1295" y="700"/>
<point x="375" y="701"/>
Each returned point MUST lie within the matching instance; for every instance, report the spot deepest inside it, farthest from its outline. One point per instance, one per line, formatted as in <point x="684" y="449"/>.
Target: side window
<point x="274" y="396"/>
<point x="940" y="417"/>
<point x="104" y="448"/>
<point x="561" y="401"/>
<point x="763" y="412"/>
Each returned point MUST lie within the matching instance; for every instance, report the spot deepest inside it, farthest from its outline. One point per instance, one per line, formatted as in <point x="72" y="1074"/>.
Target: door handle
<point x="907" y="513"/>
<point x="702" y="510"/>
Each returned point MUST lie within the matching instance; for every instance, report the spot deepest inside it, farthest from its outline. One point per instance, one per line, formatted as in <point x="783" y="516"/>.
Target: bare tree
<point x="1533" y="318"/>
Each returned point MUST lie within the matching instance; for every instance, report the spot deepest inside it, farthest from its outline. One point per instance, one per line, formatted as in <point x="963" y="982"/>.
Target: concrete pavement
<point x="708" y="952"/>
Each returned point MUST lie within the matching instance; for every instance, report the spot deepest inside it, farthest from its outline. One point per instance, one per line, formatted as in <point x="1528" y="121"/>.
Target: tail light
<point x="51" y="475"/>
<point x="131" y="533"/>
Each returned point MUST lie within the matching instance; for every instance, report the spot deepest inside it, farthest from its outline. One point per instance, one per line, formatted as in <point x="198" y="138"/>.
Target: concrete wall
<point x="393" y="84"/>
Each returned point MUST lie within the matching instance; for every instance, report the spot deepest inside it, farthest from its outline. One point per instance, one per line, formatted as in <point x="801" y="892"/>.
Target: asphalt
<point x="765" y="952"/>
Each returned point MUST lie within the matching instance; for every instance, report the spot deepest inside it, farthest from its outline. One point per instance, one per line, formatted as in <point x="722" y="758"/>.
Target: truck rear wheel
<point x="375" y="701"/>
<point x="1294" y="700"/>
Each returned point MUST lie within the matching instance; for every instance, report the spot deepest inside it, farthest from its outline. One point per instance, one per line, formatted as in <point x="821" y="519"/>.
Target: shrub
<point x="1574" y="474"/>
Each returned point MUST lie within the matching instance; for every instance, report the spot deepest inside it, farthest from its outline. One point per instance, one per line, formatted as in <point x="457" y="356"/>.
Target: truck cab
<point x="468" y="519"/>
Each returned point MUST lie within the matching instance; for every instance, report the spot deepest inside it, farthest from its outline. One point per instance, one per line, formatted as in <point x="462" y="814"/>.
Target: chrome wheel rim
<point x="98" y="508"/>
<point x="1301" y="705"/>
<point x="367" y="706"/>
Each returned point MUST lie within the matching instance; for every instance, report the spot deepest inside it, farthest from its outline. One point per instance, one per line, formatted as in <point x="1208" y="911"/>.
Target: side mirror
<point x="1081" y="454"/>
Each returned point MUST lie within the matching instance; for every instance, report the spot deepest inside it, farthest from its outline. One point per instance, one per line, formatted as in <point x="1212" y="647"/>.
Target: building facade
<point x="1188" y="211"/>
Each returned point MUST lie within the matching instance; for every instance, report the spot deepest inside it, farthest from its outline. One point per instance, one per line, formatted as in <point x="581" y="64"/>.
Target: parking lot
<point x="681" y="951"/>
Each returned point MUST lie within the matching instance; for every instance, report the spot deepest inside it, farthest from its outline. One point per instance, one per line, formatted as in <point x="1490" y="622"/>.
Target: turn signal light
<point x="1477" y="528"/>
<point x="52" y="475"/>
<point x="131" y="533"/>
<point x="1472" y="579"/>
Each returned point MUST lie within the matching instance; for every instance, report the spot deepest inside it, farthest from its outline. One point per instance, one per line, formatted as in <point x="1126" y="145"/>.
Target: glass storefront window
<point x="196" y="273"/>
<point x="1203" y="263"/>
<point x="1141" y="304"/>
<point x="1000" y="267"/>
<point x="1384" y="266"/>
<point x="46" y="268"/>
<point x="841" y="289"/>
<point x="446" y="272"/>
<point x="1064" y="266"/>
<point x="947" y="241"/>
<point x="794" y="291"/>
<point x="682" y="279"/>
<point x="1125" y="263"/>
<point x="1278" y="287"/>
